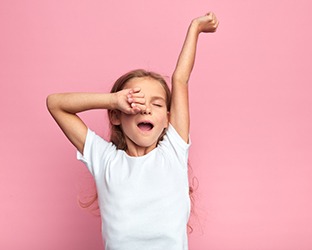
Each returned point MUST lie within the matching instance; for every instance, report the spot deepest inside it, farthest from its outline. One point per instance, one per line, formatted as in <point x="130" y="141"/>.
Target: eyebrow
<point x="153" y="98"/>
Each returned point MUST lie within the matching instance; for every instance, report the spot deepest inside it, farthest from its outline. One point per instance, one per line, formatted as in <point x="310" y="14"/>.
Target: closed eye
<point x="158" y="105"/>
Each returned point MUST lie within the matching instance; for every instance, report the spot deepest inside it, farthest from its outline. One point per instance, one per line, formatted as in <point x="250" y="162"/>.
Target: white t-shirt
<point x="144" y="201"/>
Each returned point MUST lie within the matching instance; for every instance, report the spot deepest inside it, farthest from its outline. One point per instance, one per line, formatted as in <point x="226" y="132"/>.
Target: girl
<point x="141" y="175"/>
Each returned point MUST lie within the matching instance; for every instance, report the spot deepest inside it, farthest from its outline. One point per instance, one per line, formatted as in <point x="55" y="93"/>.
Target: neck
<point x="136" y="150"/>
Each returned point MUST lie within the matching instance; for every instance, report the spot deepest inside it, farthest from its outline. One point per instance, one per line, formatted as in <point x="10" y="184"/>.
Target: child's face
<point x="144" y="129"/>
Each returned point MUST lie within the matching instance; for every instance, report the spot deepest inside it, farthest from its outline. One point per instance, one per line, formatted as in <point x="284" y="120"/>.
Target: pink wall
<point x="251" y="115"/>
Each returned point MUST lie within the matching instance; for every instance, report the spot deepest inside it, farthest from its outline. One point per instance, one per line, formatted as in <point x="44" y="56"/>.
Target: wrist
<point x="195" y="27"/>
<point x="113" y="101"/>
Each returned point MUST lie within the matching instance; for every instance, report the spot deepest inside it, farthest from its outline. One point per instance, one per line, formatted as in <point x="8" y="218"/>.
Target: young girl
<point x="141" y="175"/>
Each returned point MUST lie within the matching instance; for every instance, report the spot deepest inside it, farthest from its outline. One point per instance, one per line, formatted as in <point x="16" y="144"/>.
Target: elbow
<point x="51" y="102"/>
<point x="177" y="79"/>
<point x="180" y="77"/>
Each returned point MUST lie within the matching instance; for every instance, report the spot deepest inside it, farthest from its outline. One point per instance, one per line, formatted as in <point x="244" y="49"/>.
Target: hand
<point x="207" y="23"/>
<point x="130" y="101"/>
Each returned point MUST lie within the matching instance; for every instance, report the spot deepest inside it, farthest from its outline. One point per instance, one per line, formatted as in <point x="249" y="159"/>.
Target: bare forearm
<point x="186" y="58"/>
<point x="78" y="102"/>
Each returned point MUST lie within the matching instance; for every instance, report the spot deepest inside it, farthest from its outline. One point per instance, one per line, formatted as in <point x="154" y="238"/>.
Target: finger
<point x="215" y="19"/>
<point x="216" y="24"/>
<point x="138" y="95"/>
<point x="132" y="96"/>
<point x="132" y="99"/>
<point x="209" y="16"/>
<point x="135" y="110"/>
<point x="132" y="111"/>
<point x="136" y="100"/>
<point x="134" y="90"/>
<point x="137" y="106"/>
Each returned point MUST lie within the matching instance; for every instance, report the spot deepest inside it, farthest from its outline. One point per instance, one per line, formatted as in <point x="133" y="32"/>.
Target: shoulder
<point x="174" y="145"/>
<point x="173" y="136"/>
<point x="95" y="150"/>
<point x="93" y="140"/>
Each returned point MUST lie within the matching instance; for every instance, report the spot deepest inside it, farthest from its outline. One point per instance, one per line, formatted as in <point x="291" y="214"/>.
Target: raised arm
<point x="179" y="111"/>
<point x="65" y="106"/>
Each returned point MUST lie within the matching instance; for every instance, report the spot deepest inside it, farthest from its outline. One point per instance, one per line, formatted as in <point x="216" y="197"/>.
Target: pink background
<point x="251" y="115"/>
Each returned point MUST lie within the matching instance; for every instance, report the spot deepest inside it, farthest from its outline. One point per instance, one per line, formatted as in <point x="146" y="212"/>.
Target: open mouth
<point x="145" y="126"/>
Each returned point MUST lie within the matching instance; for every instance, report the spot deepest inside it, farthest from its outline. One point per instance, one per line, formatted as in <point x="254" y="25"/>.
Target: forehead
<point x="148" y="86"/>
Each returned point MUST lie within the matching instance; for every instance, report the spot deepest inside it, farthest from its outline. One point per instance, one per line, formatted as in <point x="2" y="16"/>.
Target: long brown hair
<point x="117" y="136"/>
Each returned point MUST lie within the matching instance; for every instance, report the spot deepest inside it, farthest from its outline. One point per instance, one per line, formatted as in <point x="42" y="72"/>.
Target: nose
<point x="147" y="111"/>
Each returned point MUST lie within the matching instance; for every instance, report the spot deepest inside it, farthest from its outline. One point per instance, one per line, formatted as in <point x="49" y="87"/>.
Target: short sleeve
<point x="94" y="150"/>
<point x="176" y="143"/>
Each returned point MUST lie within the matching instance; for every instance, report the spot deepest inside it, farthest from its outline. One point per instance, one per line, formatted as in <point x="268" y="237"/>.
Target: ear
<point x="114" y="117"/>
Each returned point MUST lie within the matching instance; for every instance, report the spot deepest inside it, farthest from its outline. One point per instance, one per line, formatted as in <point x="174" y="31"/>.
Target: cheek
<point x="164" y="119"/>
<point x="125" y="120"/>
